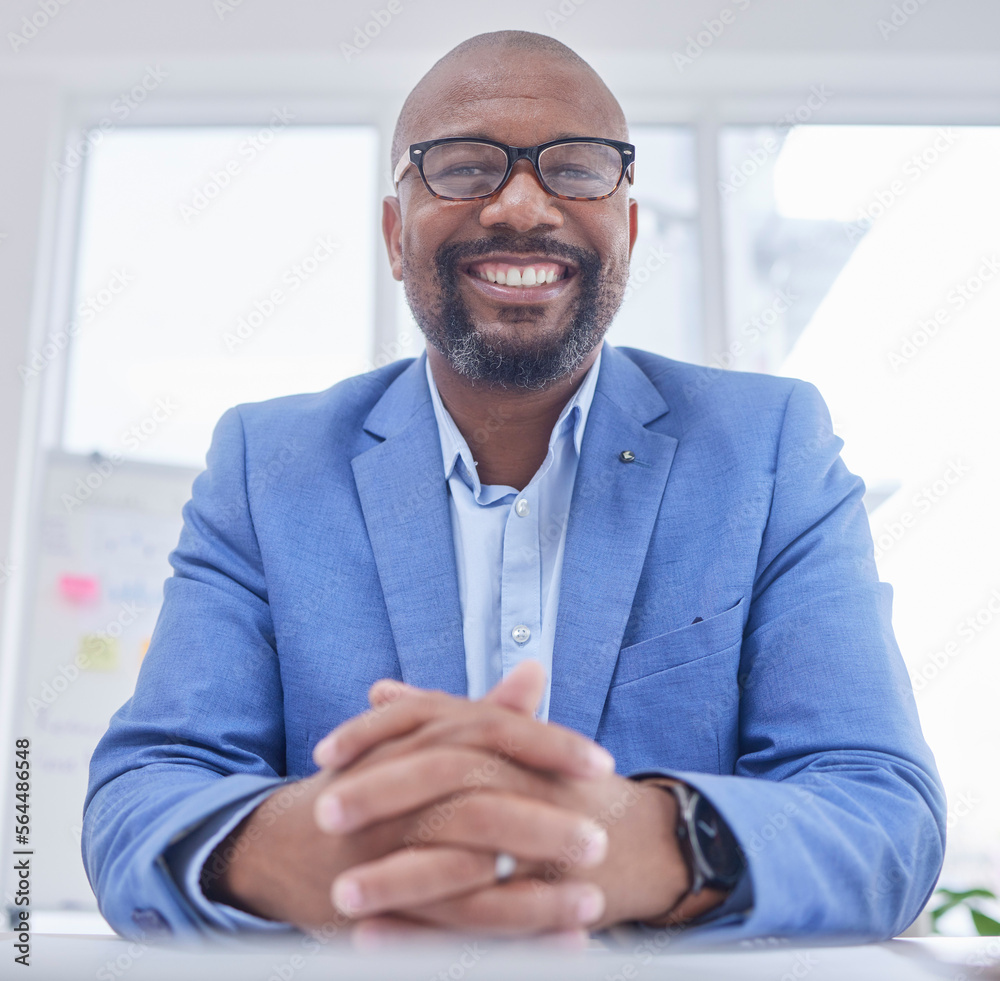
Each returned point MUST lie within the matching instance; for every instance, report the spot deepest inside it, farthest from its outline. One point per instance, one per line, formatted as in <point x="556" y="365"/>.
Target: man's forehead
<point x="485" y="102"/>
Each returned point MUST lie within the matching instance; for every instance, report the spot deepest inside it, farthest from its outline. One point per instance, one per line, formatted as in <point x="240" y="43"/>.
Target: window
<point x="866" y="259"/>
<point x="217" y="265"/>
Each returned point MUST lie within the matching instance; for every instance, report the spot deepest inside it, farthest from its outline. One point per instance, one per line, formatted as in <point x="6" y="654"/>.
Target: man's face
<point x="445" y="252"/>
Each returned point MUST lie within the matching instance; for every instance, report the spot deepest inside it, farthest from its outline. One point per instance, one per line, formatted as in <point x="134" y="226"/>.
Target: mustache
<point x="448" y="257"/>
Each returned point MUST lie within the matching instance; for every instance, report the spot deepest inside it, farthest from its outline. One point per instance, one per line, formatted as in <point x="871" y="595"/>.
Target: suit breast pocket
<point x="674" y="698"/>
<point x="677" y="647"/>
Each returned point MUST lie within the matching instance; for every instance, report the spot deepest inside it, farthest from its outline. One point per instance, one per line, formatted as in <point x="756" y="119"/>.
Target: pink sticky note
<point x="79" y="589"/>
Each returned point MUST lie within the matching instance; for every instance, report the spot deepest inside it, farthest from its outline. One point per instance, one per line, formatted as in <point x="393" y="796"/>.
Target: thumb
<point x="521" y="690"/>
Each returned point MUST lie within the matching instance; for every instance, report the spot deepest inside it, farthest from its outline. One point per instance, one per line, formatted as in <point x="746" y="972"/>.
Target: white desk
<point x="58" y="957"/>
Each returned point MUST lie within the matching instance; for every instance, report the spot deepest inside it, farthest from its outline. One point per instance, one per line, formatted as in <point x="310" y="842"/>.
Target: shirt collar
<point x="454" y="447"/>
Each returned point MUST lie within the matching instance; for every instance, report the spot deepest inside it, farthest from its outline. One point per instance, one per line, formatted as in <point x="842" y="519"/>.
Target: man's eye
<point x="570" y="173"/>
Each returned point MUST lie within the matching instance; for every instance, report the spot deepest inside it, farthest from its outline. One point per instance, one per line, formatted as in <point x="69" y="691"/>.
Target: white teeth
<point x="530" y="276"/>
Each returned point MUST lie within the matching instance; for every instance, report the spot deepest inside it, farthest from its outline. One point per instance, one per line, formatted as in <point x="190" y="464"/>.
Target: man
<point x="644" y="669"/>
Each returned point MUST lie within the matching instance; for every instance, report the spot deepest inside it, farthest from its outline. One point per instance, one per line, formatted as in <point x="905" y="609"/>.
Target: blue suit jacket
<point x="720" y="619"/>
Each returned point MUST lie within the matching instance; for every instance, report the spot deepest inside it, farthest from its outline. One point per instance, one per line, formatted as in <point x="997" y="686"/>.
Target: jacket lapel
<point x="614" y="507"/>
<point x="404" y="498"/>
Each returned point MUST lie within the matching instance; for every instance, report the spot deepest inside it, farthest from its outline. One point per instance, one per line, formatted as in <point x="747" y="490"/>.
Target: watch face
<point x="717" y="844"/>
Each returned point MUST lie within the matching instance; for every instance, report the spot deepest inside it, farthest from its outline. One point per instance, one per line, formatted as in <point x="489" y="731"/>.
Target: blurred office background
<point x="190" y="197"/>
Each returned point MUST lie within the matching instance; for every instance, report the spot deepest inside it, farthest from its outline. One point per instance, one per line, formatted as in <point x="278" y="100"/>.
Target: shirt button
<point x="523" y="508"/>
<point x="521" y="634"/>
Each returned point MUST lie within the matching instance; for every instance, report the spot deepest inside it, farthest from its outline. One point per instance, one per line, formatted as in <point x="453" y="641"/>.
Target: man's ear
<point x="392" y="232"/>
<point x="633" y="224"/>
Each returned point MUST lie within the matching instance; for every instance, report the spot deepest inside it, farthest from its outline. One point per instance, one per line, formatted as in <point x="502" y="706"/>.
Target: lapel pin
<point x="626" y="456"/>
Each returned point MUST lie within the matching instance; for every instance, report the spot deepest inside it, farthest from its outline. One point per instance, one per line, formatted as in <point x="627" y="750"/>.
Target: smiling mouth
<point x="526" y="274"/>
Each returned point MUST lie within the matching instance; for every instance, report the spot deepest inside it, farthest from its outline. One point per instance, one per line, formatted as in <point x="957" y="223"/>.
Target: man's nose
<point x="522" y="203"/>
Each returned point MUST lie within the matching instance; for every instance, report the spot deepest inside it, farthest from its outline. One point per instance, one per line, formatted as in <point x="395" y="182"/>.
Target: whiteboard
<point x="99" y="561"/>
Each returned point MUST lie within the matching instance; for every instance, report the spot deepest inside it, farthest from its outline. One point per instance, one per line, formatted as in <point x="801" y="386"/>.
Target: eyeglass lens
<point x="468" y="170"/>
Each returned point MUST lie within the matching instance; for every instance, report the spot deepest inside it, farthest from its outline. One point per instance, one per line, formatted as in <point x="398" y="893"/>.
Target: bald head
<point x="492" y="64"/>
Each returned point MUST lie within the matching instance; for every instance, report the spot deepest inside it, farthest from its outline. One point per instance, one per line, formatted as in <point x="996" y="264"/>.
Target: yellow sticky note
<point x="98" y="652"/>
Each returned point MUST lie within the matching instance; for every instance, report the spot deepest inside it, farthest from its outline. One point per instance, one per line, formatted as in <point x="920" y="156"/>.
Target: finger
<point x="392" y="717"/>
<point x="524" y="907"/>
<point x="388" y="690"/>
<point x="521" y="690"/>
<point x="410" y="877"/>
<point x="530" y="829"/>
<point x="420" y="721"/>
<point x="388" y="789"/>
<point x="407" y="878"/>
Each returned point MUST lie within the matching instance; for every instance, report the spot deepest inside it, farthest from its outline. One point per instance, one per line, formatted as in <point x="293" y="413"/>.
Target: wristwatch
<point x="713" y="857"/>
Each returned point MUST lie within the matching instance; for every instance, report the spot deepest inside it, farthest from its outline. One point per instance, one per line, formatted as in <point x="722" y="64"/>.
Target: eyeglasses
<point x="460" y="169"/>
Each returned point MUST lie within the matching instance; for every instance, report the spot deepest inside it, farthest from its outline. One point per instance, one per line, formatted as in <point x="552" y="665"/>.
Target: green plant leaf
<point x="957" y="897"/>
<point x="986" y="926"/>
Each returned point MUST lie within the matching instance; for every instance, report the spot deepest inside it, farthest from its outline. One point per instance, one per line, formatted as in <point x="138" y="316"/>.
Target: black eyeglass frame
<point x="416" y="154"/>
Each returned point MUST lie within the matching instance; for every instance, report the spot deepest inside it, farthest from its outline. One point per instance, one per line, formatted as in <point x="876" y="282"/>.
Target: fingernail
<point x="599" y="761"/>
<point x="347" y="896"/>
<point x="590" y="906"/>
<point x="330" y="814"/>
<point x="594" y="845"/>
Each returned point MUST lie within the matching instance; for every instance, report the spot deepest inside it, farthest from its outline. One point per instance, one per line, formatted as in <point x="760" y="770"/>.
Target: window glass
<point x="866" y="259"/>
<point x="217" y="265"/>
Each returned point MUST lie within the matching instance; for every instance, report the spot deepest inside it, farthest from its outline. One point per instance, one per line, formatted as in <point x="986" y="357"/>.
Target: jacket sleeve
<point x="835" y="798"/>
<point x="204" y="729"/>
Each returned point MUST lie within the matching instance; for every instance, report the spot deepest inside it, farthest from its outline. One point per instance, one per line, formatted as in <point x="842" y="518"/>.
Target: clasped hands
<point x="400" y="829"/>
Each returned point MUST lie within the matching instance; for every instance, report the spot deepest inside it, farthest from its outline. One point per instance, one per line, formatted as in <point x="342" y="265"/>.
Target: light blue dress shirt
<point x="508" y="552"/>
<point x="509" y="544"/>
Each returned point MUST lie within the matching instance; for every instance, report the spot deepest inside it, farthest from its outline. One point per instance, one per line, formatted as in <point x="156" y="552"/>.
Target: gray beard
<point x="449" y="327"/>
